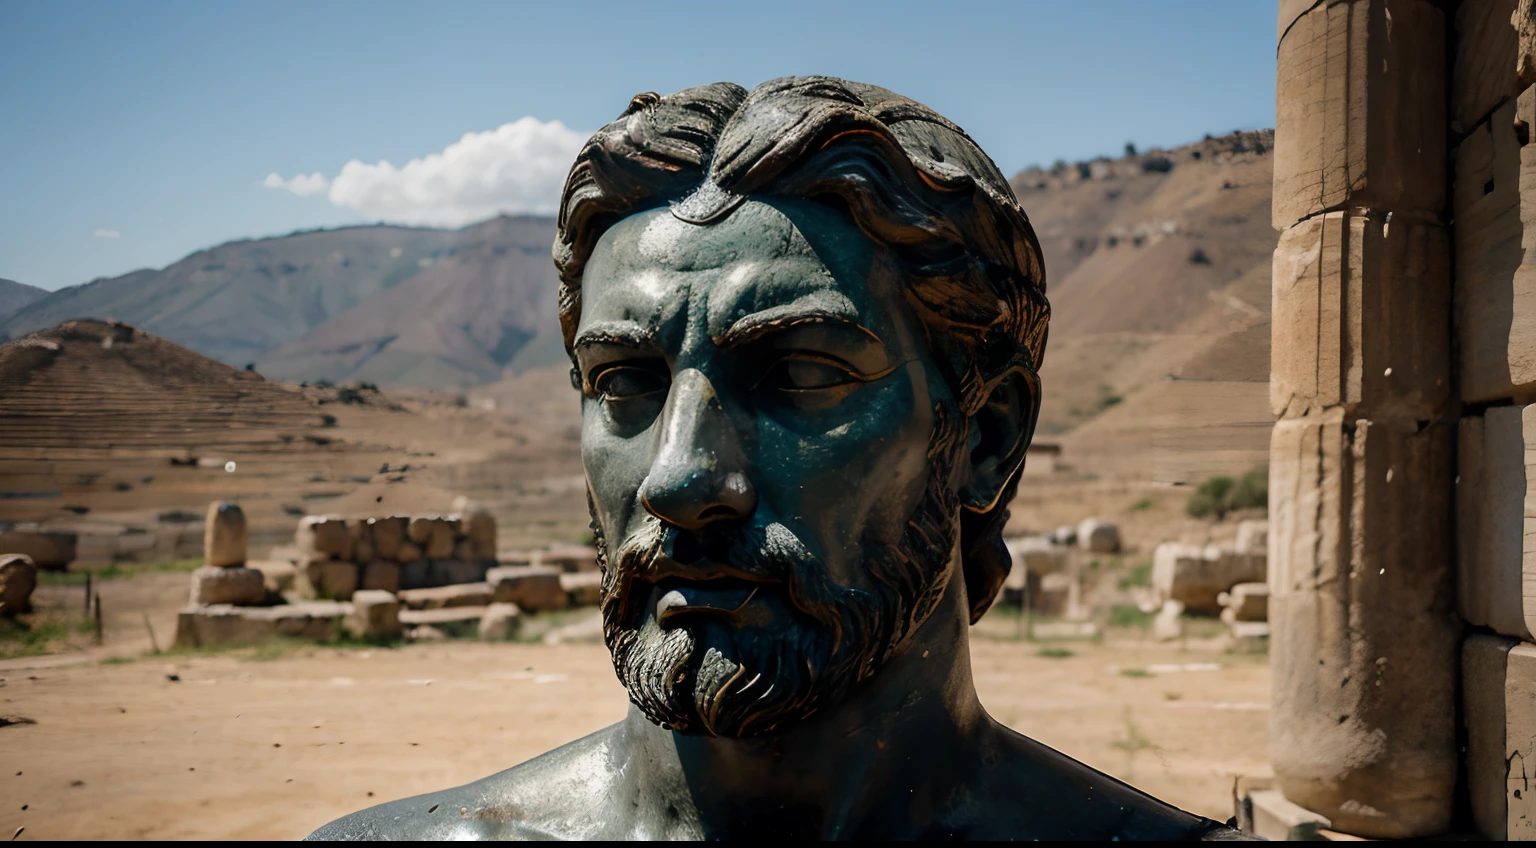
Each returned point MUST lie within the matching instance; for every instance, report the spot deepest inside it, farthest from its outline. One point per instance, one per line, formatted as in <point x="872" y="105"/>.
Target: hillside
<point x="1158" y="269"/>
<point x="243" y="299"/>
<point x="483" y="304"/>
<point x="14" y="295"/>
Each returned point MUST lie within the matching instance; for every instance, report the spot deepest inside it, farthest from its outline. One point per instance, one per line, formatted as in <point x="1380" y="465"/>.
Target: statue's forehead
<point x="757" y="258"/>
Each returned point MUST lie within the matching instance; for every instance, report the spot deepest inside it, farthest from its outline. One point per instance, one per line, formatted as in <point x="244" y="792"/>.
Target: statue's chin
<point x="713" y="680"/>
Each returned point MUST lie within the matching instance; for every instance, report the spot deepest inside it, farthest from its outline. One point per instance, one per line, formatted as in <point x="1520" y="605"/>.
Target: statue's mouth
<point x="727" y="597"/>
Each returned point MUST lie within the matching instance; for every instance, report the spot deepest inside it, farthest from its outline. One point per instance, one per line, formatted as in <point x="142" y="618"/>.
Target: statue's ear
<point x="1000" y="433"/>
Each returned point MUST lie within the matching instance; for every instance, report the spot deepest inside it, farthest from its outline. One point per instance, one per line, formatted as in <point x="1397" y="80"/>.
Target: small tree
<point x="1130" y="148"/>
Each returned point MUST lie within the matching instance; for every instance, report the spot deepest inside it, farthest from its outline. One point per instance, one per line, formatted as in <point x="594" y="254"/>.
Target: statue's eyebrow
<point x="759" y="324"/>
<point x="617" y="333"/>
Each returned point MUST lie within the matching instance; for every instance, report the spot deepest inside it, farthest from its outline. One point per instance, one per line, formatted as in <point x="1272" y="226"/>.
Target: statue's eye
<point x="796" y="374"/>
<point x="627" y="382"/>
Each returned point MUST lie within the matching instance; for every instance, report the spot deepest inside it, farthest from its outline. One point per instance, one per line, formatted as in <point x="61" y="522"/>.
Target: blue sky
<point x="159" y="121"/>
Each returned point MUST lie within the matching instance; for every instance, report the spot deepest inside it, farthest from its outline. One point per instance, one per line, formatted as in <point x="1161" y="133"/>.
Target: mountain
<point x="483" y="304"/>
<point x="14" y="295"/>
<point x="1158" y="269"/>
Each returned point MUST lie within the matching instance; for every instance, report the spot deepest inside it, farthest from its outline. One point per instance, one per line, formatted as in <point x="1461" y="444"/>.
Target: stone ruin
<point x="1403" y="465"/>
<point x="379" y="578"/>
<point x="1220" y="579"/>
<point x="1046" y="577"/>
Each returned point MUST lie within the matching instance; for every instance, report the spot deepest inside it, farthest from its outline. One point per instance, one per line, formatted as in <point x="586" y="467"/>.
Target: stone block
<point x="233" y="584"/>
<point x="1484" y="660"/>
<point x="1279" y="820"/>
<point x="375" y="615"/>
<point x="1490" y="496"/>
<point x="568" y="558"/>
<point x="409" y="552"/>
<point x="1520" y="349"/>
<point x="441" y="597"/>
<point x="420" y="529"/>
<point x="363" y="549"/>
<point x="1520" y="741"/>
<point x="480" y="527"/>
<point x="225" y="536"/>
<point x="1252" y="537"/>
<point x="278" y="576"/>
<point x="464" y="548"/>
<point x="1360" y="594"/>
<point x="221" y="624"/>
<point x="1486" y="200"/>
<point x="323" y="537"/>
<point x="388" y="535"/>
<point x="1483" y="74"/>
<point x="446" y="572"/>
<point x="534" y="588"/>
<point x="1064" y="535"/>
<point x="1058" y="595"/>
<point x="1248" y="637"/>
<point x="1360" y="109"/>
<point x="584" y="589"/>
<point x="1245" y="602"/>
<point x="1168" y="623"/>
<point x="1098" y="536"/>
<point x="1036" y="555"/>
<point x="49" y="551"/>
<point x="1195" y="575"/>
<point x="439" y="543"/>
<point x="500" y="622"/>
<point x="457" y="622"/>
<point x="415" y="574"/>
<point x="18" y="578"/>
<point x="327" y="579"/>
<point x="1359" y="316"/>
<point x="381" y="574"/>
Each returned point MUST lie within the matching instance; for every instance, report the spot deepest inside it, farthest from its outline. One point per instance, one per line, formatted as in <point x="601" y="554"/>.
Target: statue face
<point x="761" y="437"/>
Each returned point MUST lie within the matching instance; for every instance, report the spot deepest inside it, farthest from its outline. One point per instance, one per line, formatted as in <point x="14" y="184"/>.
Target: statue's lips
<point x="727" y="596"/>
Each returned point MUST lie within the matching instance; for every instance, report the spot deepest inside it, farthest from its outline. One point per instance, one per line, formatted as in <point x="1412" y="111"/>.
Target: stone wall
<point x="1402" y="504"/>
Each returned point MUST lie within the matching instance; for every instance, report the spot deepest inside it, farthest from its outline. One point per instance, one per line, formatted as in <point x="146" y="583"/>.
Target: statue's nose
<point x="699" y="474"/>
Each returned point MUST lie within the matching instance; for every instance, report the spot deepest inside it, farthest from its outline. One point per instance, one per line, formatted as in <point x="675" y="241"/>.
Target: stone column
<point x="225" y="537"/>
<point x="1362" y="461"/>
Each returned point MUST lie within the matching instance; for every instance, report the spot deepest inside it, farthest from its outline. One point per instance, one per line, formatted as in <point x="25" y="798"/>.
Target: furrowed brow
<point x="756" y="326"/>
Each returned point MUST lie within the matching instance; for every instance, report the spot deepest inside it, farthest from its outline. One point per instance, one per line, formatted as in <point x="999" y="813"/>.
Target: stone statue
<point x="807" y="322"/>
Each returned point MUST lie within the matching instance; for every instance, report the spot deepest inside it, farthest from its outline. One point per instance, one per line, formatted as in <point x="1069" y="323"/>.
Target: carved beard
<point x="714" y="679"/>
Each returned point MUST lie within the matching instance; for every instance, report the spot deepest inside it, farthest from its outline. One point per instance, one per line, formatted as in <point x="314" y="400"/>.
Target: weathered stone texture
<point x="1483" y="75"/>
<point x="1359" y="316"/>
<point x="1098" y="536"/>
<point x="1196" y="575"/>
<point x="1360" y="110"/>
<point x="1520" y="350"/>
<point x="234" y="584"/>
<point x="388" y="535"/>
<point x="375" y="615"/>
<point x="381" y="574"/>
<point x="1486" y="198"/>
<point x="323" y="537"/>
<point x="480" y="527"/>
<point x="533" y="588"/>
<point x="1490" y="494"/>
<point x="18" y="577"/>
<point x="500" y="622"/>
<point x="1520" y="742"/>
<point x="221" y="624"/>
<point x="1361" y="720"/>
<point x="1483" y="663"/>
<point x="1245" y="602"/>
<point x="49" y="551"/>
<point x="225" y="536"/>
<point x="442" y="597"/>
<point x="329" y="579"/>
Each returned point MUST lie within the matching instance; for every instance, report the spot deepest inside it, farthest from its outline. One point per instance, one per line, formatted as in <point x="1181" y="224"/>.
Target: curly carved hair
<point x="910" y="180"/>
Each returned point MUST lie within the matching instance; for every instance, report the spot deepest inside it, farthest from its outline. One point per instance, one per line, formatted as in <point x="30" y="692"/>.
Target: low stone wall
<point x="338" y="556"/>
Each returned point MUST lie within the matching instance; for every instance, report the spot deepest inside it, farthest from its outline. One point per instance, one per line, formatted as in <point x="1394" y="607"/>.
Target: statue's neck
<point x="886" y="762"/>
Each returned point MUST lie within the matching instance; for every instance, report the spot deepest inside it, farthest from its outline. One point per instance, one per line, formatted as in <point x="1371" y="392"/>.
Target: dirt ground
<point x="266" y="744"/>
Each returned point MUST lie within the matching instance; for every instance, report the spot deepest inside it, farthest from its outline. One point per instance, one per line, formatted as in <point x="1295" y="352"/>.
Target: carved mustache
<point x="768" y="554"/>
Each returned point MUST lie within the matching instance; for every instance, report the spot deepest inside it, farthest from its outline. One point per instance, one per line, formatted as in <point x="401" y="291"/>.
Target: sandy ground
<point x="250" y="748"/>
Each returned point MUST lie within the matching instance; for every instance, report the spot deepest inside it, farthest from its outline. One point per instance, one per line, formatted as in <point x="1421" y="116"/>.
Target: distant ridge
<point x="14" y="296"/>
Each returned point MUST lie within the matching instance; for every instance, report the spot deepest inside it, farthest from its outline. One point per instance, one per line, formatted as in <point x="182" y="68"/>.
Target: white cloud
<point x="301" y="184"/>
<point x="107" y="234"/>
<point x="518" y="167"/>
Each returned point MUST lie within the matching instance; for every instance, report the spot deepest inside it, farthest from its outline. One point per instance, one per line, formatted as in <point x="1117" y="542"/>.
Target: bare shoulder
<point x="558" y="795"/>
<point x="1041" y="793"/>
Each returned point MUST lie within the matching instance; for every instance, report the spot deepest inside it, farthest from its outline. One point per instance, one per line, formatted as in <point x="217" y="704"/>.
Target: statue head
<point x="807" y="322"/>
